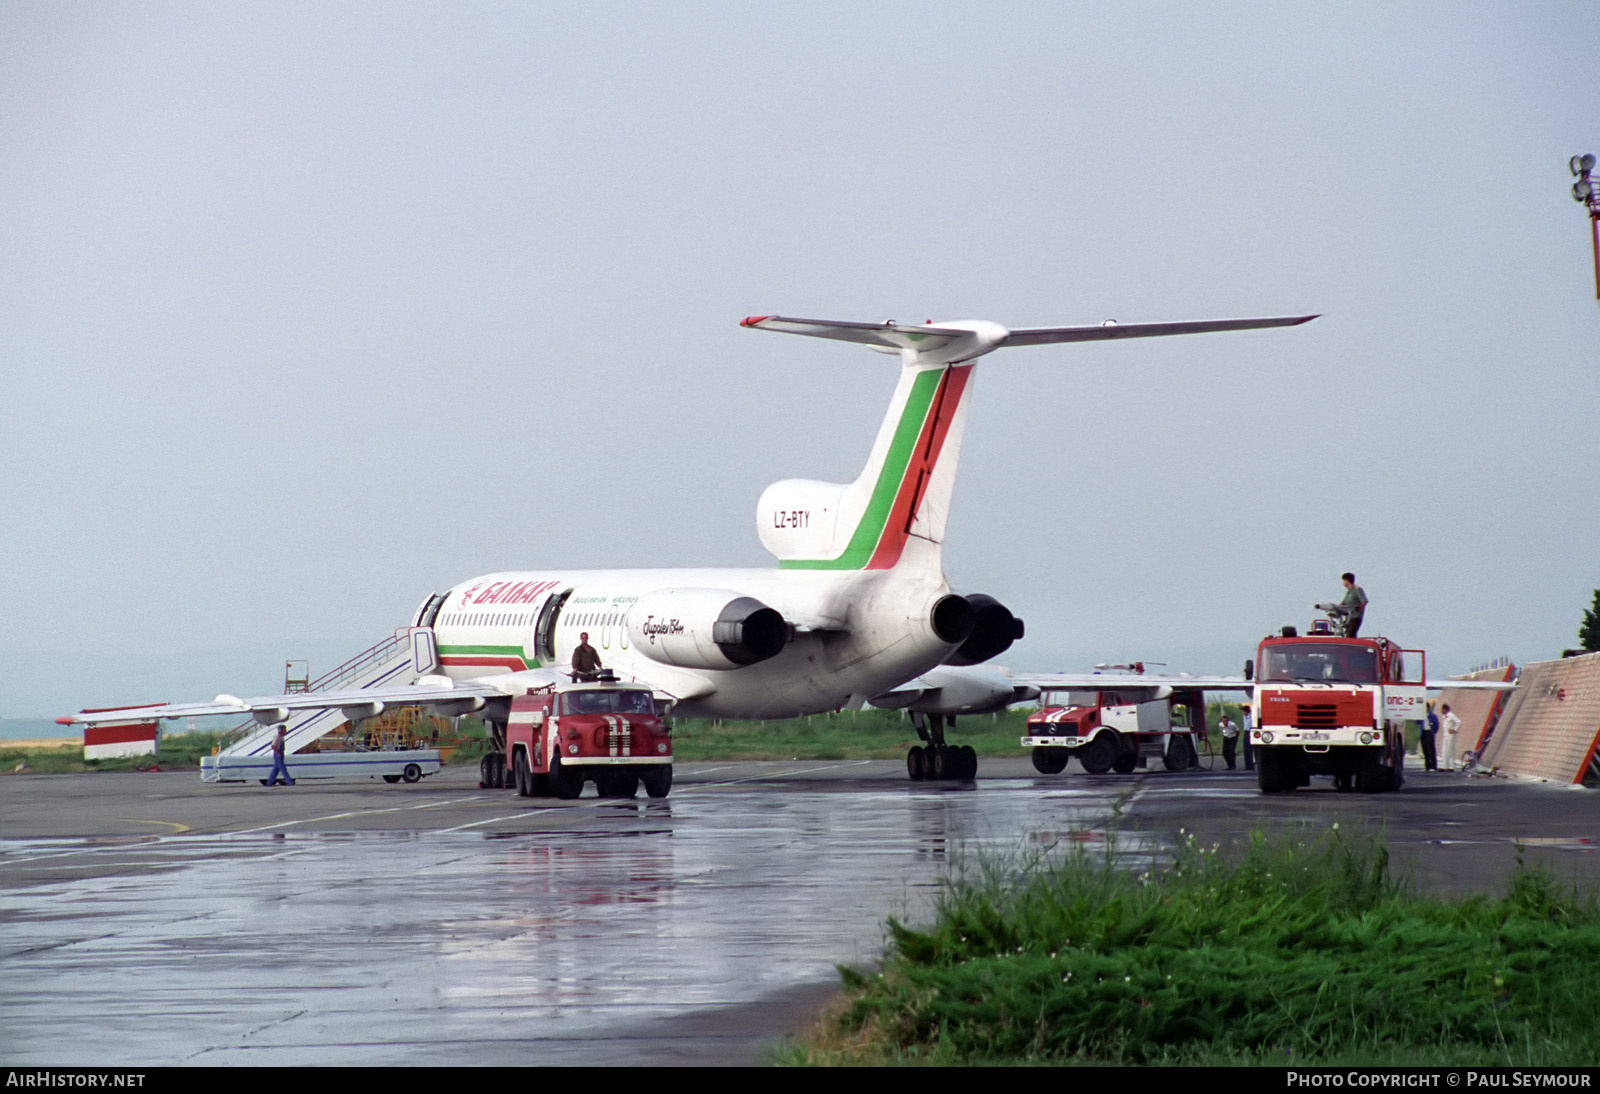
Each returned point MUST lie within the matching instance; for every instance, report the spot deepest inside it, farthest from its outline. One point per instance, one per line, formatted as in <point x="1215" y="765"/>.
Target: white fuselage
<point x="855" y="633"/>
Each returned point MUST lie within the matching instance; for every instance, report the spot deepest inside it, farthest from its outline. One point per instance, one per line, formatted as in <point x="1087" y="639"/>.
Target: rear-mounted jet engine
<point x="705" y="629"/>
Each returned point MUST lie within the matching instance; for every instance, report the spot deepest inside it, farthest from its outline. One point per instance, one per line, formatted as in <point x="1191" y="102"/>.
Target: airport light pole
<point x="1586" y="193"/>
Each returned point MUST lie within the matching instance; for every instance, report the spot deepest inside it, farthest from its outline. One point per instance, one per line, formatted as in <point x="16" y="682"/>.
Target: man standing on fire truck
<point x="585" y="661"/>
<point x="1354" y="605"/>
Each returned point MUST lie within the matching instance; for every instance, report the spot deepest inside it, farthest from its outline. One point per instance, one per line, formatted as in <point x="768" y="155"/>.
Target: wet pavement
<point x="146" y="919"/>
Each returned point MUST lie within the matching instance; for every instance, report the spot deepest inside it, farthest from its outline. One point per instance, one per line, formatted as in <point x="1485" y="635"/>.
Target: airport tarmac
<point x="150" y="919"/>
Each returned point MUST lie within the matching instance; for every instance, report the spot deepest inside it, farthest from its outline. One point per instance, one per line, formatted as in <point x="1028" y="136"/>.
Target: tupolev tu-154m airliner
<point x="857" y="610"/>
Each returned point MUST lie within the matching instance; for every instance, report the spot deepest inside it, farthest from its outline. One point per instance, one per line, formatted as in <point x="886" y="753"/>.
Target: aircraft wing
<point x="1106" y="681"/>
<point x="1091" y="681"/>
<point x="428" y="691"/>
<point x="1470" y="685"/>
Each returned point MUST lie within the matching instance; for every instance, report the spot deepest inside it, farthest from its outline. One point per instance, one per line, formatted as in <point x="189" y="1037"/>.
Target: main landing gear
<point x="934" y="759"/>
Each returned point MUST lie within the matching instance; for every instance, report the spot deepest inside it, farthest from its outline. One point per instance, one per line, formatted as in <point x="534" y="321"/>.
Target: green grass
<point x="178" y="751"/>
<point x="846" y="735"/>
<point x="1299" y="952"/>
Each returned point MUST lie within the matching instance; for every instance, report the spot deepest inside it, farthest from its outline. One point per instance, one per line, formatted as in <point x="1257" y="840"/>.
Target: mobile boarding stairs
<point x="397" y="660"/>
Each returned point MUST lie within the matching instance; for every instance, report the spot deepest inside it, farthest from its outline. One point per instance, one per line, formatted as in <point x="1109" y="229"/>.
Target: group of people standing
<point x="1430" y="730"/>
<point x="1231" y="732"/>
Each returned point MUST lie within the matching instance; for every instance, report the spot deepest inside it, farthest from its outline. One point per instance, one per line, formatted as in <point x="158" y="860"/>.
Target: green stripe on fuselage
<point x="870" y="528"/>
<point x="492" y="651"/>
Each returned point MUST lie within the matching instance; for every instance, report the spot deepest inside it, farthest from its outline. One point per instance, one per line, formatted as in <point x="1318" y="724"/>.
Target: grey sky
<point x="312" y="310"/>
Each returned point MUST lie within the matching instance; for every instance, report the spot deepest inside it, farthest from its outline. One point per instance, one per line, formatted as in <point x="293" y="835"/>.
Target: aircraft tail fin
<point x="895" y="511"/>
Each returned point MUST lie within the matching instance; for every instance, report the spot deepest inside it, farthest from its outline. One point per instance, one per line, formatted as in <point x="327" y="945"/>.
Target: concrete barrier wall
<point x="1551" y="724"/>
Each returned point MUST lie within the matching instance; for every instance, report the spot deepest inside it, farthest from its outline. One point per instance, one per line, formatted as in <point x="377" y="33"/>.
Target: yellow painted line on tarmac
<point x="174" y="825"/>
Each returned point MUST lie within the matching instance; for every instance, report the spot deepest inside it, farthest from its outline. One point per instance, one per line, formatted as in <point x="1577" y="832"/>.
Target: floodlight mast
<point x="1585" y="192"/>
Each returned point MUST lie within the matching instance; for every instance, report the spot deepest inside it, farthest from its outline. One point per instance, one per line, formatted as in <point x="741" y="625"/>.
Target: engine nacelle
<point x="705" y="629"/>
<point x="994" y="628"/>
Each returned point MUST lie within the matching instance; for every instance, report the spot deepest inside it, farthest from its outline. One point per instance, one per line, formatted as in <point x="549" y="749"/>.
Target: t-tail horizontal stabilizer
<point x="953" y="342"/>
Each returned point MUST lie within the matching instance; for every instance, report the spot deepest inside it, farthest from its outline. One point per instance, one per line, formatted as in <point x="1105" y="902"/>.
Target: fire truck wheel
<point x="1127" y="756"/>
<point x="565" y="783"/>
<point x="969" y="762"/>
<point x="412" y="773"/>
<point x="497" y="771"/>
<point x="519" y="770"/>
<point x="917" y="764"/>
<point x="657" y="780"/>
<point x="1180" y="754"/>
<point x="1273" y="773"/>
<point x="1098" y="755"/>
<point x="1050" y="761"/>
<point x="1372" y="777"/>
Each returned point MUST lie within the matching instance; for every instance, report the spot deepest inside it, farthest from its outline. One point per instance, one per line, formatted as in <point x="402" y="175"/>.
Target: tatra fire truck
<point x="1329" y="705"/>
<point x="557" y="738"/>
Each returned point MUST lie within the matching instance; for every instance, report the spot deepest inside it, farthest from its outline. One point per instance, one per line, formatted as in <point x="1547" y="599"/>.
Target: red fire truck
<point x="1329" y="705"/>
<point x="559" y="737"/>
<point x="1116" y="722"/>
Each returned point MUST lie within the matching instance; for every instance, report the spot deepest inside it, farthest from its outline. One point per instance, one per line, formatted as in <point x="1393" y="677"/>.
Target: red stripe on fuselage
<point x="919" y="468"/>
<point x="483" y="660"/>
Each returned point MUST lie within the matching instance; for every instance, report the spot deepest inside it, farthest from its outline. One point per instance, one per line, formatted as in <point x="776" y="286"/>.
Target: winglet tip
<point x="753" y="320"/>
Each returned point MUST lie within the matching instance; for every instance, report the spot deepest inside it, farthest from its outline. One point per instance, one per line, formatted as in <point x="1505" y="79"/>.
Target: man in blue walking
<point x="278" y="741"/>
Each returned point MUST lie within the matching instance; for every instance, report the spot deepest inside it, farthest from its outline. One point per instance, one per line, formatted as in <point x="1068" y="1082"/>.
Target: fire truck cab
<point x="557" y="738"/>
<point x="1329" y="705"/>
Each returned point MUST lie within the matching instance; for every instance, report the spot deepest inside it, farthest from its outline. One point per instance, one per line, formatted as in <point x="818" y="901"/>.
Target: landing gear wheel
<point x="412" y="773"/>
<point x="485" y="772"/>
<point x="917" y="763"/>
<point x="969" y="762"/>
<point x="1343" y="782"/>
<point x="565" y="783"/>
<point x="391" y="778"/>
<point x="1050" y="761"/>
<point x="1098" y="755"/>
<point x="657" y="780"/>
<point x="939" y="764"/>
